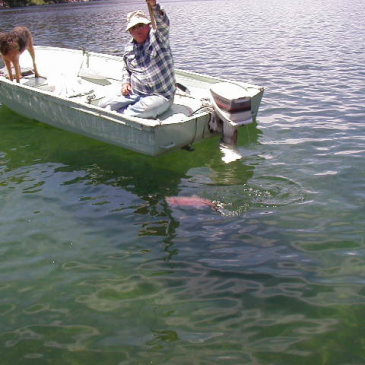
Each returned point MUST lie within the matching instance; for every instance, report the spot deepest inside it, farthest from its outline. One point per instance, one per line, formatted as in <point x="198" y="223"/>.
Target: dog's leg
<point x="8" y="67"/>
<point x="32" y="53"/>
<point x="18" y="72"/>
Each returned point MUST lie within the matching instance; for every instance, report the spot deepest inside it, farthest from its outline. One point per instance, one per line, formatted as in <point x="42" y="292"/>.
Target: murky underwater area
<point x="97" y="267"/>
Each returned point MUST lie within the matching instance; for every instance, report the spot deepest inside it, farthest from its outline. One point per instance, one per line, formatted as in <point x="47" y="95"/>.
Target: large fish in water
<point x="196" y="203"/>
<point x="190" y="201"/>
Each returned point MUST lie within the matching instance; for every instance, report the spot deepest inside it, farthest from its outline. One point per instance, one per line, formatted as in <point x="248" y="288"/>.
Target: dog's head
<point x="3" y="37"/>
<point x="2" y="40"/>
<point x="7" y="42"/>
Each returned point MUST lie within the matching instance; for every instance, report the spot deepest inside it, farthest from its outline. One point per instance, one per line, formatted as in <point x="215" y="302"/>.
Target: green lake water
<point x="97" y="268"/>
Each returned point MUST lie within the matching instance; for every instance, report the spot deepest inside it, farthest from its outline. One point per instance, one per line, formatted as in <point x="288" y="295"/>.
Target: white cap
<point x="136" y="17"/>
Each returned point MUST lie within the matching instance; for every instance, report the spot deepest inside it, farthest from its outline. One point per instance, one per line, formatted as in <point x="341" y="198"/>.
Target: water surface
<point x="96" y="267"/>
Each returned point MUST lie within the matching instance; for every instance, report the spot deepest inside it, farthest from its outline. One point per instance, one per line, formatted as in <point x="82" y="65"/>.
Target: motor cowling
<point x="232" y="103"/>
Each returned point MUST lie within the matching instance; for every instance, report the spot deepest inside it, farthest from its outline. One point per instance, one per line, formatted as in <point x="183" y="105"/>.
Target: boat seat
<point x="94" y="77"/>
<point x="176" y="112"/>
<point x="183" y="107"/>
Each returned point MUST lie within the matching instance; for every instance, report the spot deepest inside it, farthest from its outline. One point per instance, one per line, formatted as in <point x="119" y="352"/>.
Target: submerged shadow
<point x="26" y="143"/>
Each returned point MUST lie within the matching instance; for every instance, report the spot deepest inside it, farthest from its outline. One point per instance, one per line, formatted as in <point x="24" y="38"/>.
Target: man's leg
<point x="148" y="107"/>
<point x="118" y="102"/>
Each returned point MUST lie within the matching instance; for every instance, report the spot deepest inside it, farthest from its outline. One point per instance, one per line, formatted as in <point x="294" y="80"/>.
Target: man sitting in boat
<point x="148" y="75"/>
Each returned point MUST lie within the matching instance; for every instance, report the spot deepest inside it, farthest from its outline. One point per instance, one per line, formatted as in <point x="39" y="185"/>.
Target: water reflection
<point x="92" y="253"/>
<point x="98" y="181"/>
<point x="109" y="191"/>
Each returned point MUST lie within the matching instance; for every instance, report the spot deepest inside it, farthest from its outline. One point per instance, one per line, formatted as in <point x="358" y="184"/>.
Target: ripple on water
<point x="261" y="192"/>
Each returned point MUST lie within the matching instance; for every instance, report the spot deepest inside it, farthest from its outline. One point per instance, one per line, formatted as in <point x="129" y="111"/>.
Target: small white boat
<point x="74" y="81"/>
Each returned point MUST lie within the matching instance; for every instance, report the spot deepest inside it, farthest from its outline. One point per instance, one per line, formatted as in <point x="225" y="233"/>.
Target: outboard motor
<point x="232" y="105"/>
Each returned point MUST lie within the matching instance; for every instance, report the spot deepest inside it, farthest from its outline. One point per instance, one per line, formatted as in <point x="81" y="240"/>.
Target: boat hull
<point x="84" y="120"/>
<point x="150" y="137"/>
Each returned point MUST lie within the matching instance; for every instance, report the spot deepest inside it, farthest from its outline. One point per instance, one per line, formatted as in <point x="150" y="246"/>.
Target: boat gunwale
<point x="178" y="71"/>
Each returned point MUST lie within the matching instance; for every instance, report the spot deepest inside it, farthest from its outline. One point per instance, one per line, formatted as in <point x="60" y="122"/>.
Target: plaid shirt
<point x="149" y="67"/>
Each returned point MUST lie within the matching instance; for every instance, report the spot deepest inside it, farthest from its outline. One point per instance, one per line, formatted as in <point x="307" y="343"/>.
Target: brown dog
<point x="12" y="45"/>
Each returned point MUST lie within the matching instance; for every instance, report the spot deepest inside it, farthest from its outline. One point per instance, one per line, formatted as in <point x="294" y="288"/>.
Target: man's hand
<point x="151" y="2"/>
<point x="126" y="89"/>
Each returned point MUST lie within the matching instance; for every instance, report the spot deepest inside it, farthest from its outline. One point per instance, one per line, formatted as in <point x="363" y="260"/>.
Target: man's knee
<point x="148" y="107"/>
<point x="117" y="102"/>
